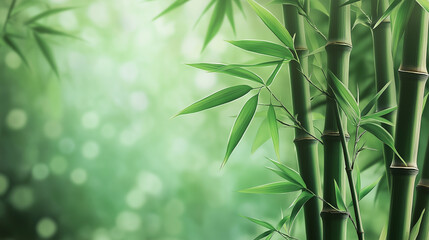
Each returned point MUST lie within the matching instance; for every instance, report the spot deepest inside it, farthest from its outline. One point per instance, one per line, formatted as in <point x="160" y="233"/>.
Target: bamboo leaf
<point x="51" y="31"/>
<point x="344" y="98"/>
<point x="262" y="64"/>
<point x="47" y="53"/>
<point x="358" y="181"/>
<point x="299" y="203"/>
<point x="230" y="15"/>
<point x="283" y="221"/>
<point x="273" y="24"/>
<point x="240" y="125"/>
<point x="170" y="8"/>
<point x="349" y="2"/>
<point x="316" y="4"/>
<point x="380" y="113"/>
<point x="215" y="22"/>
<point x="274" y="74"/>
<point x="424" y="4"/>
<point x="383" y="135"/>
<point x="366" y="190"/>
<point x="9" y="12"/>
<point x="340" y="202"/>
<point x="236" y="71"/>
<point x="416" y="228"/>
<point x="377" y="120"/>
<point x="272" y="120"/>
<point x="425" y="100"/>
<point x="262" y="223"/>
<point x="48" y="13"/>
<point x="264" y="47"/>
<point x="264" y="234"/>
<point x="386" y="13"/>
<point x="374" y="100"/>
<point x="221" y="97"/>
<point x="277" y="187"/>
<point x="206" y="9"/>
<point x="400" y="19"/>
<point x="290" y="174"/>
<point x="15" y="48"/>
<point x="383" y="234"/>
<point x="262" y="135"/>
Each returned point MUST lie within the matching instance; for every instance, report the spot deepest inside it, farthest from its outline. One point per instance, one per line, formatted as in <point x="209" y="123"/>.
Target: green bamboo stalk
<point x="306" y="145"/>
<point x="384" y="72"/>
<point x="422" y="200"/>
<point x="412" y="76"/>
<point x="338" y="50"/>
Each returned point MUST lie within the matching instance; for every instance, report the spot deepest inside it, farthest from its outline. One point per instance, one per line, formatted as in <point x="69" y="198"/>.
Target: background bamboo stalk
<point x="306" y="145"/>
<point x="412" y="76"/>
<point x="384" y="72"/>
<point x="338" y="50"/>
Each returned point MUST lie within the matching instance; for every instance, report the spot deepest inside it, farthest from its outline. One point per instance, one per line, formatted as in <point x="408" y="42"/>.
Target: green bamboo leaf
<point x="316" y="4"/>
<point x="295" y="3"/>
<point x="344" y="98"/>
<point x="273" y="24"/>
<point x="51" y="31"/>
<point x="9" y="12"/>
<point x="230" y="15"/>
<point x="386" y="13"/>
<point x="240" y="6"/>
<point x="48" y="13"/>
<point x="236" y="71"/>
<point x="290" y="174"/>
<point x="262" y="64"/>
<point x="383" y="135"/>
<point x="47" y="53"/>
<point x="425" y="100"/>
<point x="265" y="48"/>
<point x="240" y="125"/>
<point x="374" y="100"/>
<point x="274" y="130"/>
<point x="424" y="4"/>
<point x="380" y="113"/>
<point x="170" y="8"/>
<point x="416" y="228"/>
<point x="366" y="190"/>
<point x="340" y="202"/>
<point x="376" y="120"/>
<point x="262" y="223"/>
<point x="206" y="9"/>
<point x="400" y="19"/>
<point x="15" y="48"/>
<point x="274" y="73"/>
<point x="349" y="2"/>
<point x="262" y="135"/>
<point x="221" y="97"/>
<point x="358" y="181"/>
<point x="215" y="22"/>
<point x="264" y="234"/>
<point x="298" y="204"/>
<point x="283" y="221"/>
<point x="277" y="187"/>
<point x="383" y="234"/>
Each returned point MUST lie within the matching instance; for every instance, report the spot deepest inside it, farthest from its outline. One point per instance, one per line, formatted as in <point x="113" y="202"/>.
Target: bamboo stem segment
<point x="306" y="146"/>
<point x="412" y="76"/>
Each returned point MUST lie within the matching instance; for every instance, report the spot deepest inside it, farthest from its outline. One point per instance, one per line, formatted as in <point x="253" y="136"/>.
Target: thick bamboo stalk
<point x="412" y="78"/>
<point x="306" y="145"/>
<point x="422" y="200"/>
<point x="384" y="72"/>
<point x="338" y="50"/>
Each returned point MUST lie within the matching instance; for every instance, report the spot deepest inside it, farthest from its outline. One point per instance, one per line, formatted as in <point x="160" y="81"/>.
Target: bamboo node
<point x="346" y="45"/>
<point x="423" y="187"/>
<point x="416" y="74"/>
<point x="334" y="135"/>
<point x="404" y="170"/>
<point x="332" y="213"/>
<point x="304" y="139"/>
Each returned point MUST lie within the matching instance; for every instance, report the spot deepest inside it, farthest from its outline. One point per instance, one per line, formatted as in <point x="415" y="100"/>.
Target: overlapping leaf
<point x="236" y="71"/>
<point x="215" y="21"/>
<point x="272" y="121"/>
<point x="48" y="13"/>
<point x="265" y="48"/>
<point x="344" y="98"/>
<point x="299" y="203"/>
<point x="274" y="73"/>
<point x="47" y="53"/>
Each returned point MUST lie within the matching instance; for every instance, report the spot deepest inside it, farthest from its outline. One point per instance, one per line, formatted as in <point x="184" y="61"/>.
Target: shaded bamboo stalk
<point x="384" y="72"/>
<point x="412" y="78"/>
<point x="338" y="51"/>
<point x="306" y="145"/>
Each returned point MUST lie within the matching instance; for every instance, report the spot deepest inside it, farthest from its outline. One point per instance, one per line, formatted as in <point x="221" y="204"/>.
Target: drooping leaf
<point x="230" y="14"/>
<point x="399" y="20"/>
<point x="272" y="120"/>
<point x="206" y="9"/>
<point x="273" y="24"/>
<point x="264" y="47"/>
<point x="221" y="97"/>
<point x="339" y="198"/>
<point x="215" y="22"/>
<point x="236" y="71"/>
<point x="240" y="125"/>
<point x="262" y="135"/>
<point x="51" y="31"/>
<point x="383" y="135"/>
<point x="416" y="228"/>
<point x="299" y="203"/>
<point x="264" y="234"/>
<point x="386" y="13"/>
<point x="374" y="100"/>
<point x="290" y="174"/>
<point x="424" y="4"/>
<point x="344" y="98"/>
<point x="261" y="64"/>
<point x="366" y="190"/>
<point x="47" y="53"/>
<point x="262" y="223"/>
<point x="15" y="48"/>
<point x="170" y="8"/>
<point x="277" y="187"/>
<point x="48" y="13"/>
<point x="274" y="73"/>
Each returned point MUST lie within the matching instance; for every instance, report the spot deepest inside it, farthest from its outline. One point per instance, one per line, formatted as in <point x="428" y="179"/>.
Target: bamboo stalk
<point x="412" y="75"/>
<point x="338" y="50"/>
<point x="306" y="145"/>
<point x="384" y="72"/>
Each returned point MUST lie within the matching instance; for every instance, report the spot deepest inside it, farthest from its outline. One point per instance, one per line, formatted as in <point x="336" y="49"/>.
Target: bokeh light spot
<point x="90" y="120"/>
<point x="53" y="129"/>
<point x="78" y="176"/>
<point x="12" y="60"/>
<point x="68" y="20"/>
<point x="58" y="165"/>
<point x="46" y="227"/>
<point x="128" y="221"/>
<point x="149" y="183"/>
<point x="138" y="100"/>
<point x="16" y="119"/>
<point x="100" y="234"/>
<point x="22" y="197"/>
<point x="40" y="171"/>
<point x="90" y="149"/>
<point x="98" y="14"/>
<point x="4" y="184"/>
<point x="135" y="198"/>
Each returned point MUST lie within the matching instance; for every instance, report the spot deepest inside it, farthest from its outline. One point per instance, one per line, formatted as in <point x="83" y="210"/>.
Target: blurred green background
<point x="95" y="154"/>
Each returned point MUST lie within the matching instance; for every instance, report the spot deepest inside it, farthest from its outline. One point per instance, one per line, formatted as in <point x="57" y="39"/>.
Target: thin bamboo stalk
<point x="338" y="50"/>
<point x="306" y="145"/>
<point x="384" y="72"/>
<point x="412" y="78"/>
